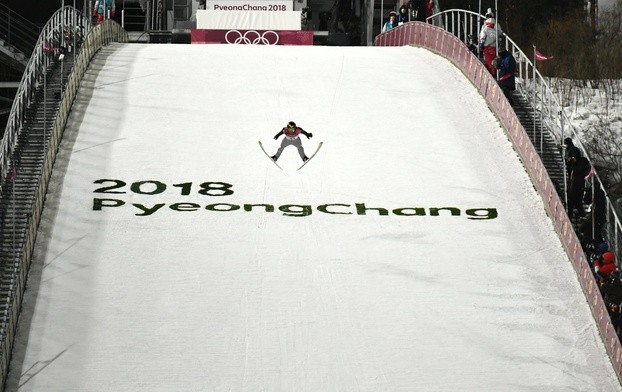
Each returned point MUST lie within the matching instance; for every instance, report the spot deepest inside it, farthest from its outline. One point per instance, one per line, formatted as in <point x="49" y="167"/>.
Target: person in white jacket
<point x="488" y="40"/>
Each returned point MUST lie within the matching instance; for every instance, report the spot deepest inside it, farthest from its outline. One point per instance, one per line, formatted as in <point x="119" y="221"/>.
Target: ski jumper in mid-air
<point x="291" y="132"/>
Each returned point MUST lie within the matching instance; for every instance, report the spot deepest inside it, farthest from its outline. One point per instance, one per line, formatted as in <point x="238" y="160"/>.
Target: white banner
<point x="250" y="5"/>
<point x="248" y="20"/>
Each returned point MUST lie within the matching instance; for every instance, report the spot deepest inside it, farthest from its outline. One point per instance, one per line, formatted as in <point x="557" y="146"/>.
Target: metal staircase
<point x="549" y="149"/>
<point x="18" y="191"/>
<point x="18" y="197"/>
<point x="134" y="17"/>
<point x="28" y="151"/>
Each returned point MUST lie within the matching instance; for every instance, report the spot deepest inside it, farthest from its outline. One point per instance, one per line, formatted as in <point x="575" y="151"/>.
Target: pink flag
<point x="540" y="56"/>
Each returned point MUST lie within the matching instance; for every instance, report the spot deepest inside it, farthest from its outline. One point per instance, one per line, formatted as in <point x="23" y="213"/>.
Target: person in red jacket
<point x="291" y="132"/>
<point x="605" y="265"/>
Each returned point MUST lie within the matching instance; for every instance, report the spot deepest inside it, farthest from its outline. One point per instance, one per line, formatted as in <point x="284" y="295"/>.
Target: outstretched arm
<point x="278" y="134"/>
<point x="309" y="135"/>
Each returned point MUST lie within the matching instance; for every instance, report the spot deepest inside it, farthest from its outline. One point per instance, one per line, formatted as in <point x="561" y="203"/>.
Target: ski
<point x="269" y="157"/>
<point x="311" y="157"/>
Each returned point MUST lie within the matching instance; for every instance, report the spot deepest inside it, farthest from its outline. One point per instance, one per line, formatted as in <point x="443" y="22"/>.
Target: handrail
<point x="532" y="85"/>
<point x="32" y="76"/>
<point x="18" y="31"/>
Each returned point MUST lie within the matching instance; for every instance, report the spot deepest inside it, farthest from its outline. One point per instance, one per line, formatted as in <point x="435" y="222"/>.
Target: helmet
<point x="291" y="125"/>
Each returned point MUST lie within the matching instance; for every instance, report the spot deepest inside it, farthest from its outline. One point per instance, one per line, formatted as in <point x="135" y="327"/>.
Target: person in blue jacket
<point x="506" y="64"/>
<point x="391" y="23"/>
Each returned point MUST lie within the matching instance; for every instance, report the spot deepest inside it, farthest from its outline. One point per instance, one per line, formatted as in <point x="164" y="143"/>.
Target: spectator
<point x="576" y="188"/>
<point x="79" y="34"/>
<point x="429" y="9"/>
<point x="506" y="64"/>
<point x="402" y="16"/>
<point x="488" y="38"/>
<point x="605" y="266"/>
<point x="570" y="156"/>
<point x="595" y="251"/>
<point x="491" y="15"/>
<point x="418" y="10"/>
<point x="611" y="290"/>
<point x="472" y="44"/>
<point x="390" y="24"/>
<point x="104" y="9"/>
<point x="600" y="250"/>
<point x="596" y="219"/>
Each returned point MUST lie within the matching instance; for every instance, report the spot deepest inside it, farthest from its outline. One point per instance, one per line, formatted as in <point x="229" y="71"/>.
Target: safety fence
<point x="33" y="79"/>
<point x="545" y="104"/>
<point x="450" y="46"/>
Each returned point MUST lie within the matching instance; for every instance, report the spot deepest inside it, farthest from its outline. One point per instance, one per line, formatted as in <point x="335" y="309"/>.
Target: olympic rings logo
<point x="252" y="37"/>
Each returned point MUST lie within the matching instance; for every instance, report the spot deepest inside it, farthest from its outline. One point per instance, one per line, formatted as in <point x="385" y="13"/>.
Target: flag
<point x="540" y="56"/>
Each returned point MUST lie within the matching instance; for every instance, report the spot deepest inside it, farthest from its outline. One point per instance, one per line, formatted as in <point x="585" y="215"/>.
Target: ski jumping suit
<point x="291" y="139"/>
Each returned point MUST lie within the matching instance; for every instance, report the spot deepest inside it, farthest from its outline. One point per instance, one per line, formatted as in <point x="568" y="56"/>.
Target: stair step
<point x="17" y="199"/>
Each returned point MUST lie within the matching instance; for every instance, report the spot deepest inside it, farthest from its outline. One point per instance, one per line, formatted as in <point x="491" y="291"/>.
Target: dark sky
<point x="37" y="11"/>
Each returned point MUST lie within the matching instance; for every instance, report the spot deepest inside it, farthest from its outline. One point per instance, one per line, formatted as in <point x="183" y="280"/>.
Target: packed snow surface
<point x="411" y="254"/>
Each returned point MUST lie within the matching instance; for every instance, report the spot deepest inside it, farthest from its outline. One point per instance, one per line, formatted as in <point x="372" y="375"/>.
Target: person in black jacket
<point x="402" y="16"/>
<point x="576" y="187"/>
<point x="611" y="290"/>
<point x="418" y="9"/>
<point x="571" y="155"/>
<point x="597" y="217"/>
